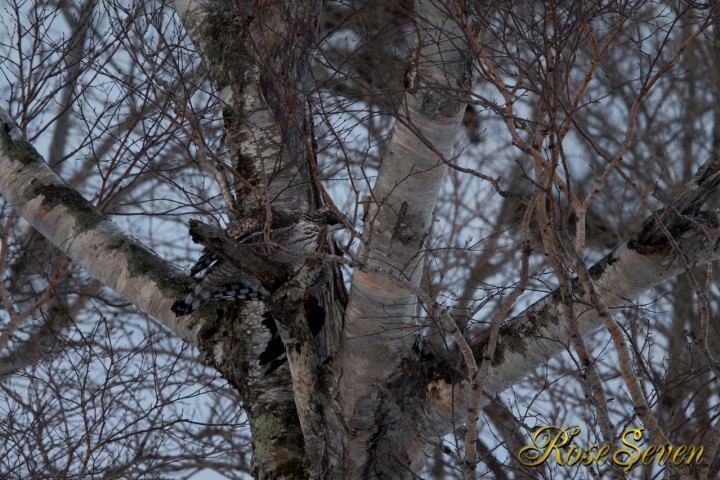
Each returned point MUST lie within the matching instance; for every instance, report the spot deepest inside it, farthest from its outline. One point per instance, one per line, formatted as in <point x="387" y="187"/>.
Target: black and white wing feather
<point x="217" y="278"/>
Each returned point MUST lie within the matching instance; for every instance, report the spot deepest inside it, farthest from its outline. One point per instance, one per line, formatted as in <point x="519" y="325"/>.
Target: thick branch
<point x="684" y="208"/>
<point x="641" y="263"/>
<point x="246" y="257"/>
<point x="72" y="224"/>
<point x="258" y="61"/>
<point x="379" y="325"/>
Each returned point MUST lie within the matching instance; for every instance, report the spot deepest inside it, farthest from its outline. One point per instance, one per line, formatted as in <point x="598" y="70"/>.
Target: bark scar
<point x="402" y="230"/>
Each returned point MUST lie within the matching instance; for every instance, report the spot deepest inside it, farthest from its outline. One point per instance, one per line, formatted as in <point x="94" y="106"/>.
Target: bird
<point x="273" y="353"/>
<point x="295" y="231"/>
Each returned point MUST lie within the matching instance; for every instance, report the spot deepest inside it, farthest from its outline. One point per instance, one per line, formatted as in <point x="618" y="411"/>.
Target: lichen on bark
<point x="142" y="261"/>
<point x="224" y="33"/>
<point x="20" y="149"/>
<point x="85" y="215"/>
<point x="268" y="432"/>
<point x="292" y="468"/>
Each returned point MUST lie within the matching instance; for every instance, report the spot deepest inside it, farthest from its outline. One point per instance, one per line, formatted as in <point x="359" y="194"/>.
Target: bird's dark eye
<point x="331" y="218"/>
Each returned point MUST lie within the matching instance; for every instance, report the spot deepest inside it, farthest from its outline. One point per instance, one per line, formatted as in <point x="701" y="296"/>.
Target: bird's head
<point x="332" y="220"/>
<point x="325" y="216"/>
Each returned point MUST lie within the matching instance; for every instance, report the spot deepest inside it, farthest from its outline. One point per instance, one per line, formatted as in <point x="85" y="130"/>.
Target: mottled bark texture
<point x="376" y="408"/>
<point x="421" y="390"/>
<point x="73" y="225"/>
<point x="258" y="57"/>
<point x="675" y="238"/>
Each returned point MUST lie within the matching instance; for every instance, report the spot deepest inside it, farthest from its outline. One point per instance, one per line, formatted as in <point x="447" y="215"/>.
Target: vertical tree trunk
<point x="258" y="56"/>
<point x="379" y="327"/>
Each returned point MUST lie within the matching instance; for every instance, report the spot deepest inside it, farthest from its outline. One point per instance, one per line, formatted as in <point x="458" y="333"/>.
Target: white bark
<point x="257" y="56"/>
<point x="379" y="327"/>
<point x="260" y="83"/>
<point x="637" y="265"/>
<point x="531" y="338"/>
<point x="372" y="431"/>
<point x="73" y="225"/>
<point x="627" y="276"/>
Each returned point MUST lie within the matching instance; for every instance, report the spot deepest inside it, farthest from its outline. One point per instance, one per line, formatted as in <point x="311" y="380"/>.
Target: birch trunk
<point x="382" y="400"/>
<point x="379" y="328"/>
<point x="258" y="59"/>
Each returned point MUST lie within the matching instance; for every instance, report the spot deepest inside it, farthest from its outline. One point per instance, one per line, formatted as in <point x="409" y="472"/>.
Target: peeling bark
<point x="379" y="329"/>
<point x="374" y="411"/>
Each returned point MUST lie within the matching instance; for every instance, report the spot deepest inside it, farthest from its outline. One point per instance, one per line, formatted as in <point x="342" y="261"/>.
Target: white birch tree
<point x="525" y="188"/>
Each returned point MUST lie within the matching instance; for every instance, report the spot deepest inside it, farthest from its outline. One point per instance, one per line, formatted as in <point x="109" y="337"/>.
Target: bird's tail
<point x="200" y="292"/>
